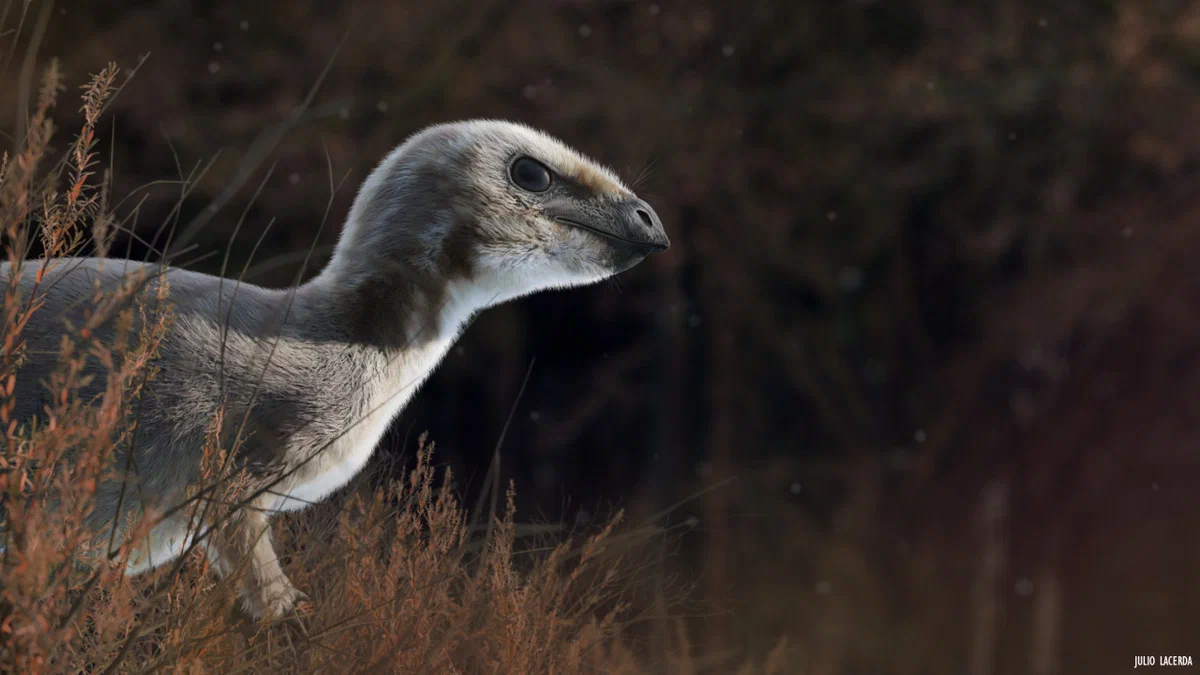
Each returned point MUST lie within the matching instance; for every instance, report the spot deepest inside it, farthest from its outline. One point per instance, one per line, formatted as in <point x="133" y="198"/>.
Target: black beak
<point x="629" y="224"/>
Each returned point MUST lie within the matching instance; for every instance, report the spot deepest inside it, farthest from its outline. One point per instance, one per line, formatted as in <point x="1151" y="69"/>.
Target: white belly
<point x="344" y="458"/>
<point x="323" y="484"/>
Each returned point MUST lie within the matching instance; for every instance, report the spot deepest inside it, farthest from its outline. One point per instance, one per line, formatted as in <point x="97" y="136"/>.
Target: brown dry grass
<point x="402" y="576"/>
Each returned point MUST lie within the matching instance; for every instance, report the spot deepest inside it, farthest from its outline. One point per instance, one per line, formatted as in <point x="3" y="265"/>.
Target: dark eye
<point x="530" y="175"/>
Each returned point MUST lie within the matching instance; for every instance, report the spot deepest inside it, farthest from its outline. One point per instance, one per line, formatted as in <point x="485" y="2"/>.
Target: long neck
<point x="398" y="288"/>
<point x="401" y="321"/>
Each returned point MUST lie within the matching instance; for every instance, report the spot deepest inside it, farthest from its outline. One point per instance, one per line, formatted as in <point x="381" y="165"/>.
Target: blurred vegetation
<point x="931" y="301"/>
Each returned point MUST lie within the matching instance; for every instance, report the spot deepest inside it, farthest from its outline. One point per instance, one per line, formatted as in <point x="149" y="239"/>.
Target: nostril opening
<point x="645" y="216"/>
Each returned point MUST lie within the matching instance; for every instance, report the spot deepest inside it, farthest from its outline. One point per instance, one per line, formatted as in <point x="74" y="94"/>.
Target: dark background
<point x="933" y="300"/>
